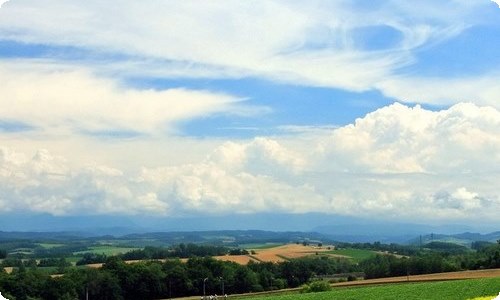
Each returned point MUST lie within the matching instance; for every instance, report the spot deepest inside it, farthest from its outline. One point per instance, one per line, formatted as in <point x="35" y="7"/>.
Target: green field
<point x="260" y="246"/>
<point x="107" y="250"/>
<point x="458" y="289"/>
<point x="73" y="259"/>
<point x="50" y="245"/>
<point x="356" y="254"/>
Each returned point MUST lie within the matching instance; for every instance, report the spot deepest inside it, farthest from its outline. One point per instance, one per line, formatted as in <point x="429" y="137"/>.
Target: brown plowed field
<point x="239" y="259"/>
<point x="288" y="251"/>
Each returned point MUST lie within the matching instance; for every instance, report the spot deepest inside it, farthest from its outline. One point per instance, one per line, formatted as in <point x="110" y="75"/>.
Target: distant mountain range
<point x="464" y="239"/>
<point x="233" y="238"/>
<point x="385" y="232"/>
<point x="340" y="228"/>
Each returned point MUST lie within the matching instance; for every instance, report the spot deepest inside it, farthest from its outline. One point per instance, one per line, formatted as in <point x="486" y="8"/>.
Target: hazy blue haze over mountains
<point x="341" y="228"/>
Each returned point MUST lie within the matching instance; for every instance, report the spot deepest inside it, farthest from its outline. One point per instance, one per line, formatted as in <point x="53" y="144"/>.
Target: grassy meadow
<point x="356" y="255"/>
<point x="255" y="246"/>
<point x="50" y="245"/>
<point x="457" y="289"/>
<point x="108" y="250"/>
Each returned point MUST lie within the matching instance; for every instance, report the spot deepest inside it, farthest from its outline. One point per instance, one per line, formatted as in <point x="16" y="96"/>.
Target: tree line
<point x="171" y="278"/>
<point x="177" y="251"/>
<point x="438" y="258"/>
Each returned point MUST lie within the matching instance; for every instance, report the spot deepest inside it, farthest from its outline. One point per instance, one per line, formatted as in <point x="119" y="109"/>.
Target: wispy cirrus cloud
<point x="63" y="100"/>
<point x="322" y="43"/>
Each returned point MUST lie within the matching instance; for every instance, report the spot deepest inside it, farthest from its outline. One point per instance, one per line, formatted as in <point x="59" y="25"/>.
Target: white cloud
<point x="481" y="90"/>
<point x="497" y="2"/>
<point x="46" y="184"/>
<point x="316" y="43"/>
<point x="397" y="162"/>
<point x="262" y="155"/>
<point x="208" y="188"/>
<point x="56" y="100"/>
<point x="391" y="162"/>
<point x="401" y="139"/>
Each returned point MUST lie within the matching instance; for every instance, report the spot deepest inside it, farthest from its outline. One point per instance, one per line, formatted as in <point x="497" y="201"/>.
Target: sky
<point x="386" y="110"/>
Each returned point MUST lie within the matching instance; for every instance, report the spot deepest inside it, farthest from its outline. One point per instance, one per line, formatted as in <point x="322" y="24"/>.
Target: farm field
<point x="274" y="254"/>
<point x="73" y="259"/>
<point x="258" y="252"/>
<point x="50" y="245"/>
<point x="355" y="254"/>
<point x="99" y="265"/>
<point x="108" y="250"/>
<point x="285" y="252"/>
<point x="277" y="253"/>
<point x="256" y="246"/>
<point x="475" y="274"/>
<point x="239" y="259"/>
<point x="456" y="289"/>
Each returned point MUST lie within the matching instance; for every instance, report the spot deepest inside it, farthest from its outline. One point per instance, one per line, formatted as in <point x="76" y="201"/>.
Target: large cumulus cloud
<point x="397" y="162"/>
<point x="463" y="138"/>
<point x="46" y="184"/>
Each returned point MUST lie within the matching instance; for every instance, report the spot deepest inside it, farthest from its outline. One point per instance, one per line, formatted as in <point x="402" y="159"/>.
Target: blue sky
<point x="352" y="108"/>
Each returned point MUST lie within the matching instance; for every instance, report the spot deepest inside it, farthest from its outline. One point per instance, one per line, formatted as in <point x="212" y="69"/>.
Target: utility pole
<point x="204" y="281"/>
<point x="86" y="293"/>
<point x="222" y="284"/>
<point x="169" y="289"/>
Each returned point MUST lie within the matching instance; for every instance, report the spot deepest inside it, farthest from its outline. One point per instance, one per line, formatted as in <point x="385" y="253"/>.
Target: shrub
<point x="316" y="286"/>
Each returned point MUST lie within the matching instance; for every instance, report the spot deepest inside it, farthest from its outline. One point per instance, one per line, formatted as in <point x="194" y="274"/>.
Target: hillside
<point x="465" y="239"/>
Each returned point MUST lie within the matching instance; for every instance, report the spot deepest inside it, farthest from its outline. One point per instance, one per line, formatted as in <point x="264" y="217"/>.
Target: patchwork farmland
<point x="286" y="252"/>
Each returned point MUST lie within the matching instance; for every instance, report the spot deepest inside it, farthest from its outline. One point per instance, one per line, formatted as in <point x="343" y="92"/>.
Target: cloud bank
<point x="398" y="162"/>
